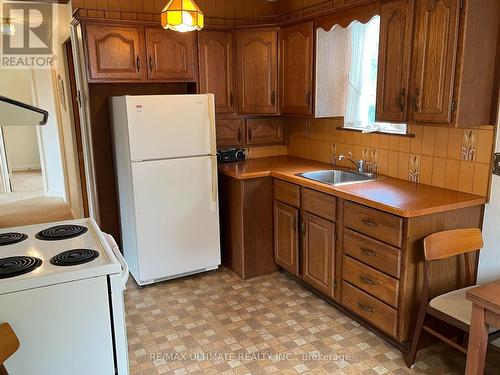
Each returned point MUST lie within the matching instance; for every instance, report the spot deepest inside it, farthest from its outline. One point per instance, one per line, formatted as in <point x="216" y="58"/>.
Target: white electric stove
<point x="61" y="290"/>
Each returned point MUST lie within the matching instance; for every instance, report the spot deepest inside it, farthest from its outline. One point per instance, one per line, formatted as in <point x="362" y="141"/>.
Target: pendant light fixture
<point x="182" y="15"/>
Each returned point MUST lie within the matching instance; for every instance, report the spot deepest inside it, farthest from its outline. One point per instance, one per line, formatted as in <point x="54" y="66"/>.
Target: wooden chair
<point x="452" y="308"/>
<point x="9" y="343"/>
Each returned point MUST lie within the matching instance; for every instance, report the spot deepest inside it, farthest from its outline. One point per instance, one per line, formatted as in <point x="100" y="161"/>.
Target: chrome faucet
<point x="359" y="163"/>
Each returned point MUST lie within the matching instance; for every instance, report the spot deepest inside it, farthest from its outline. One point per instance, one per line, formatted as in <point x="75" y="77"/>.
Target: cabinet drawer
<point x="377" y="224"/>
<point x="287" y="193"/>
<point x="379" y="285"/>
<point x="376" y="254"/>
<point x="367" y="307"/>
<point x="320" y="204"/>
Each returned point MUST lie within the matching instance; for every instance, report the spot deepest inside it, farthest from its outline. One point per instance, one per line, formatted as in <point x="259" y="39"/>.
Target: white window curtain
<point x="356" y="76"/>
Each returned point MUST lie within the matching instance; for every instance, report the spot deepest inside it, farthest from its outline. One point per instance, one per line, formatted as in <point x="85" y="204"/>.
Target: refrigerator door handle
<point x="211" y="117"/>
<point x="214" y="183"/>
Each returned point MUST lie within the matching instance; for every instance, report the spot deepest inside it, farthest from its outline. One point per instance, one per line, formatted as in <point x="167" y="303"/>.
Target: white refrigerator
<point x="166" y="168"/>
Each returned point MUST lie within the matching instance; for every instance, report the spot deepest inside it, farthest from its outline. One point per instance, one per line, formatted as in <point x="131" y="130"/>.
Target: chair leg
<point x="419" y="324"/>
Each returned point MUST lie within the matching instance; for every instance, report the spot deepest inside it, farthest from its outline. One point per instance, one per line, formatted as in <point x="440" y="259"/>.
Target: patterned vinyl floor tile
<point x="216" y="323"/>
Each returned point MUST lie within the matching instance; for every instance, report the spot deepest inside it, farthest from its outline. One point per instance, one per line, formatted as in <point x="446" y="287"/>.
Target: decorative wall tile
<point x="414" y="172"/>
<point x="469" y="145"/>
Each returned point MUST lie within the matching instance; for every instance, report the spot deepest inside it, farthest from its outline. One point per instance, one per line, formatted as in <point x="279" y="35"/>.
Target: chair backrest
<point x="450" y="243"/>
<point x="9" y="343"/>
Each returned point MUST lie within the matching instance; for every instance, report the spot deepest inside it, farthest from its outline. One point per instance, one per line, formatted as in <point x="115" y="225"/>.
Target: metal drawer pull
<point x="366" y="308"/>
<point x="369" y="252"/>
<point x="367" y="279"/>
<point x="369" y="223"/>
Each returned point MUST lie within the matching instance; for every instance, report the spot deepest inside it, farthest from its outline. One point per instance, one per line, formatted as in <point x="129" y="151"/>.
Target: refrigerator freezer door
<point x="176" y="217"/>
<point x="170" y="126"/>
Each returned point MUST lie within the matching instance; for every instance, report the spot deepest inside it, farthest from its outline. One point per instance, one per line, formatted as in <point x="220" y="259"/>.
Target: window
<point x="362" y="80"/>
<point x="346" y="76"/>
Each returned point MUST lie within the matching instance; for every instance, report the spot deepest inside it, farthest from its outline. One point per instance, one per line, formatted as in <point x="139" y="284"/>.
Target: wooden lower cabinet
<point x="286" y="237"/>
<point x="246" y="218"/>
<point x="371" y="259"/>
<point x="318" y="245"/>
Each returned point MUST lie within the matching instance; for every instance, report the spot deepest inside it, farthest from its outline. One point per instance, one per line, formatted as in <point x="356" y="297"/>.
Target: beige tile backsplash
<point x="457" y="159"/>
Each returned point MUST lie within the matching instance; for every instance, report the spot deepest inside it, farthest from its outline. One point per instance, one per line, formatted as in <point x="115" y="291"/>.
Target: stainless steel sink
<point x="338" y="177"/>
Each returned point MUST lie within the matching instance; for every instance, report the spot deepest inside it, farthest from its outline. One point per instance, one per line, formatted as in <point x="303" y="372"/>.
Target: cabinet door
<point x="286" y="237"/>
<point x="296" y="68"/>
<point x="434" y="54"/>
<point x="264" y="131"/>
<point x="230" y="132"/>
<point x="171" y="55"/>
<point x="258" y="71"/>
<point x="396" y="28"/>
<point x="318" y="242"/>
<point x="216" y="68"/>
<point x="115" y="52"/>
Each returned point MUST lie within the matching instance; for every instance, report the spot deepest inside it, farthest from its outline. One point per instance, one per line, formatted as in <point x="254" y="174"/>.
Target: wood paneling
<point x="257" y="71"/>
<point x="396" y="30"/>
<point x="171" y="56"/>
<point x="434" y="57"/>
<point x="216" y="68"/>
<point x="297" y="45"/>
<point x="317" y="253"/>
<point x="150" y="9"/>
<point x="286" y="237"/>
<point x="103" y="146"/>
<point x="115" y="52"/>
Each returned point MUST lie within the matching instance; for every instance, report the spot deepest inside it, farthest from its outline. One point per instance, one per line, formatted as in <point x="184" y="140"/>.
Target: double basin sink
<point x="338" y="177"/>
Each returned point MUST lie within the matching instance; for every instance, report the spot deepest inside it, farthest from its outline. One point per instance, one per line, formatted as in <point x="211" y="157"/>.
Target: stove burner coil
<point x="11" y="238"/>
<point x="19" y="265"/>
<point x="61" y="232"/>
<point x="74" y="257"/>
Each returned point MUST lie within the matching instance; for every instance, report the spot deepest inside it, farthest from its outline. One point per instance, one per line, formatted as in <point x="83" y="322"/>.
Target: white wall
<point x="49" y="134"/>
<point x="489" y="260"/>
<point x="20" y="142"/>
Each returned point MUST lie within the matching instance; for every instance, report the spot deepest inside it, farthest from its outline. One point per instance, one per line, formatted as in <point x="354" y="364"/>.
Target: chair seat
<point x="455" y="304"/>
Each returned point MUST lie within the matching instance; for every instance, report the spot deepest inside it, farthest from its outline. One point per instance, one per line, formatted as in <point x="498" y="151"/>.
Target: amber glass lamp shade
<point x="182" y="15"/>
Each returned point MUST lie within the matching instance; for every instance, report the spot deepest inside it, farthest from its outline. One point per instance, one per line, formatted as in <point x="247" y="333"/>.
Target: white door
<point x="170" y="126"/>
<point x="176" y="216"/>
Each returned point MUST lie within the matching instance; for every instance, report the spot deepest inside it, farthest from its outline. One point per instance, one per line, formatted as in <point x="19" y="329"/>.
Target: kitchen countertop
<point x="399" y="197"/>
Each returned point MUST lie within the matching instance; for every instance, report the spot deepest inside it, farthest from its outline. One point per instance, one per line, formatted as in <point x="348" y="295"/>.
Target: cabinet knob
<point x="250" y="134"/>
<point x="303" y="227"/>
<point x="239" y="135"/>
<point x="231" y="99"/>
<point x="273" y="98"/>
<point x="417" y="100"/>
<point x="308" y="97"/>
<point x="294" y="224"/>
<point x="150" y="63"/>
<point x="138" y="63"/>
<point x="369" y="309"/>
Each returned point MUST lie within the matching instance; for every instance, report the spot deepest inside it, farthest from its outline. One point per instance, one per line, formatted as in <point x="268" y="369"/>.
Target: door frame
<point x="70" y="65"/>
<point x="4" y="166"/>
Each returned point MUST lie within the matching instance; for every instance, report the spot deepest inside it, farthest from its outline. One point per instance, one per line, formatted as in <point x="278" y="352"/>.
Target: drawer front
<point x="379" y="285"/>
<point x="287" y="193"/>
<point x="319" y="204"/>
<point x="377" y="224"/>
<point x="376" y="254"/>
<point x="370" y="309"/>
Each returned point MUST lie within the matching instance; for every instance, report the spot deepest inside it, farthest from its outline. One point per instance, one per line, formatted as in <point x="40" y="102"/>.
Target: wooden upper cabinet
<point x="172" y="56"/>
<point x="396" y="26"/>
<point x="216" y="68"/>
<point x="286" y="237"/>
<point x="115" y="52"/>
<point x="261" y="131"/>
<point x="258" y="71"/>
<point x="318" y="237"/>
<point x="434" y="56"/>
<point x="230" y="132"/>
<point x="297" y="44"/>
